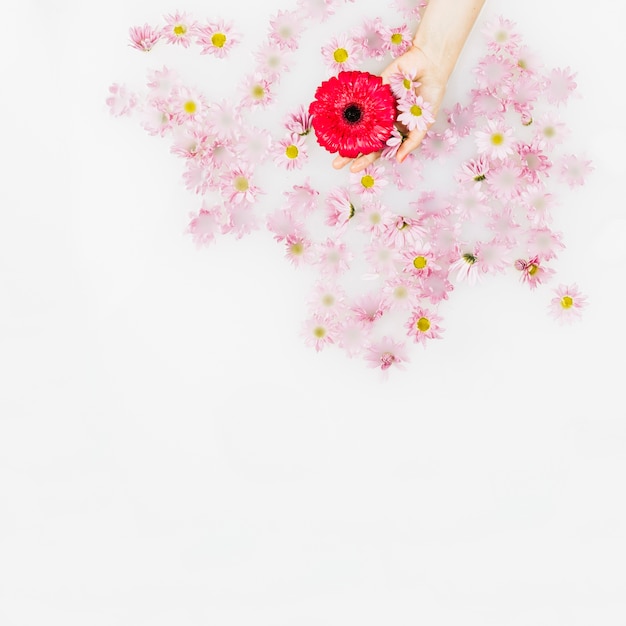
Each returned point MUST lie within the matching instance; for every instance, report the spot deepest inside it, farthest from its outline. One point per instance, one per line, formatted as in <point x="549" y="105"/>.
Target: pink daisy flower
<point x="241" y="220"/>
<point x="299" y="249"/>
<point x="302" y="198"/>
<point x="403" y="85"/>
<point x="382" y="258"/>
<point x="533" y="161"/>
<point x="401" y="292"/>
<point x="205" y="225"/>
<point x="550" y="130"/>
<point x="560" y="84"/>
<point x="290" y="153"/>
<point x="237" y="186"/>
<point x="299" y="121"/>
<point x="474" y="171"/>
<point x="545" y="243"/>
<point x="339" y="208"/>
<point x="501" y="35"/>
<point x="396" y="40"/>
<point x="405" y="231"/>
<point x="143" y="37"/>
<point x="341" y="53"/>
<point x="415" y="113"/>
<point x="369" y="308"/>
<point x="369" y="38"/>
<point x="121" y="101"/>
<point x="328" y="299"/>
<point x="179" y="29"/>
<point x="283" y="223"/>
<point x="533" y="273"/>
<point x="319" y="10"/>
<point x="386" y="353"/>
<point x="420" y="263"/>
<point x="574" y="170"/>
<point x="257" y="91"/>
<point x="410" y="9"/>
<point x="496" y="141"/>
<point x="423" y="325"/>
<point x="318" y="331"/>
<point x="567" y="304"/>
<point x="494" y="72"/>
<point x="351" y="336"/>
<point x="285" y="29"/>
<point x="467" y="267"/>
<point x="374" y="217"/>
<point x="217" y="38"/>
<point x="461" y="119"/>
<point x="392" y="145"/>
<point x="272" y="61"/>
<point x="333" y="257"/>
<point x="252" y="143"/>
<point x="369" y="182"/>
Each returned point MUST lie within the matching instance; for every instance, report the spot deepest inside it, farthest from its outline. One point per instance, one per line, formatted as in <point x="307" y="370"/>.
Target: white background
<point x="172" y="453"/>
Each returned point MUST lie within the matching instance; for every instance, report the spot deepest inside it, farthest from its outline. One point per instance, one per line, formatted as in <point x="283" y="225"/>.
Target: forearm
<point x="443" y="30"/>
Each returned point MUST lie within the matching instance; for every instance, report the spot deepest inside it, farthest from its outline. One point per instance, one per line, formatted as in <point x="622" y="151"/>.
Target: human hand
<point x="415" y="63"/>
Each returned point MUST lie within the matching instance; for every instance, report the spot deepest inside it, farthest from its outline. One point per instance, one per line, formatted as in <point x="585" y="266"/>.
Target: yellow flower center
<point x="180" y="30"/>
<point x="291" y="151"/>
<point x="190" y="107"/>
<point x="241" y="184"/>
<point x="497" y="139"/>
<point x="367" y="181"/>
<point x="532" y="270"/>
<point x="401" y="292"/>
<point x="419" y="262"/>
<point x="375" y="218"/>
<point x="218" y="40"/>
<point x="406" y="83"/>
<point x="319" y="332"/>
<point x="522" y="64"/>
<point x="328" y="299"/>
<point x="501" y="36"/>
<point x="423" y="324"/>
<point x="396" y="39"/>
<point x="416" y="110"/>
<point x="567" y="302"/>
<point x="258" y="92"/>
<point x="549" y="132"/>
<point x="340" y="55"/>
<point x="297" y="248"/>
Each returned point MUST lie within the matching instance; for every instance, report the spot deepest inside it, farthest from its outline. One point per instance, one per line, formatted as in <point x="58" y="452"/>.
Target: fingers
<point x="358" y="164"/>
<point x="411" y="142"/>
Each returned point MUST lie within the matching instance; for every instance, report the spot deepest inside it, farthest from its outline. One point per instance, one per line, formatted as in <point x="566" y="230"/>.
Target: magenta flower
<point x="353" y="113"/>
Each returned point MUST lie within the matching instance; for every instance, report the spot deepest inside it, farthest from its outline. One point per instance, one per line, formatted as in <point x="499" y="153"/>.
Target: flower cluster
<point x="386" y="248"/>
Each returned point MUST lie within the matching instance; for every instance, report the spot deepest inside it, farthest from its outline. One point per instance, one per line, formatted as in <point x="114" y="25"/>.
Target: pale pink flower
<point x="386" y="353"/>
<point x="405" y="231"/>
<point x="284" y="223"/>
<point x="466" y="268"/>
<point x="328" y="299"/>
<point x="528" y="61"/>
<point x="188" y="105"/>
<point x="424" y="325"/>
<point x="410" y="9"/>
<point x="574" y="170"/>
<point x="494" y="72"/>
<point x="241" y="220"/>
<point x="252" y="143"/>
<point x="256" y="91"/>
<point x="290" y="152"/>
<point x="374" y="217"/>
<point x="162" y="83"/>
<point x="438" y="145"/>
<point x="533" y="273"/>
<point x="341" y="54"/>
<point x="121" y="101"/>
<point x="545" y="243"/>
<point x="382" y="258"/>
<point x="319" y="10"/>
<point x="396" y="40"/>
<point x="298" y="121"/>
<point x="143" y="37"/>
<point x="560" y="85"/>
<point x="339" y="208"/>
<point x="333" y="257"/>
<point x="496" y="140"/>
<point x="318" y="331"/>
<point x="501" y="35"/>
<point x="403" y="84"/>
<point x="420" y="263"/>
<point x="179" y="29"/>
<point x="471" y="203"/>
<point x="302" y="199"/>
<point x="436" y="287"/>
<point x="220" y="154"/>
<point x="402" y="292"/>
<point x="474" y="171"/>
<point x="272" y="60"/>
<point x="370" y="307"/>
<point x="205" y="225"/>
<point x="217" y="38"/>
<point x="285" y="29"/>
<point x="567" y="304"/>
<point x="461" y="119"/>
<point x="299" y="249"/>
<point x="237" y="186"/>
<point x="415" y="112"/>
<point x="369" y="37"/>
<point x="369" y="182"/>
<point x="409" y="173"/>
<point x="487" y="103"/>
<point x="352" y="336"/>
<point x="495" y="256"/>
<point x="550" y="130"/>
<point x="533" y="160"/>
<point x="505" y="181"/>
<point x="393" y="144"/>
<point x="538" y="203"/>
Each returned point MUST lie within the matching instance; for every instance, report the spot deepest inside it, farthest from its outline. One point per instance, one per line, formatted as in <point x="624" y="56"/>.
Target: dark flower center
<point x="352" y="114"/>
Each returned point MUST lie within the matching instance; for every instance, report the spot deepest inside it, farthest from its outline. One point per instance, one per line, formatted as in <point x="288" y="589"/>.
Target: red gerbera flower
<point x="353" y="113"/>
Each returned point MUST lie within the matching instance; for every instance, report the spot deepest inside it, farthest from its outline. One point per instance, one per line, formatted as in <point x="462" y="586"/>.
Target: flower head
<point x="217" y="38"/>
<point x="353" y="113"/>
<point x="143" y="37"/>
<point x="567" y="303"/>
